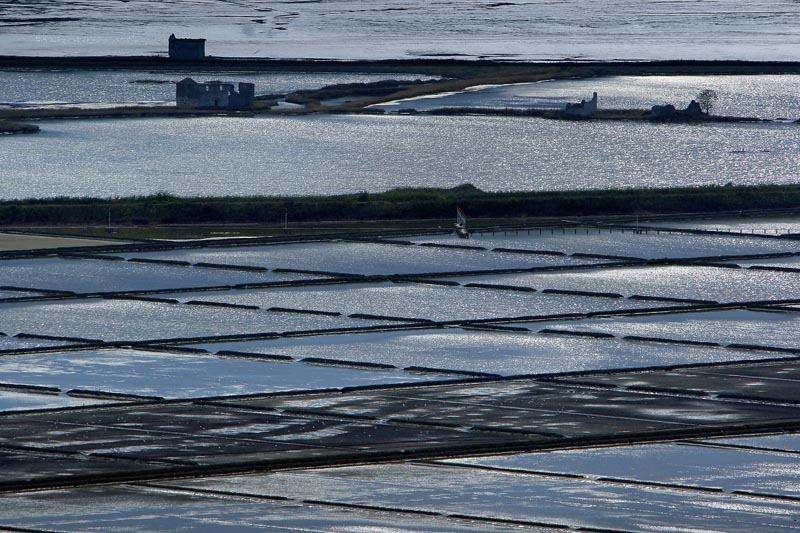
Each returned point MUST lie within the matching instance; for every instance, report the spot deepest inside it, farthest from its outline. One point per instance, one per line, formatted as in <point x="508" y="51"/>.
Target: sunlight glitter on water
<point x="608" y="29"/>
<point x="767" y="97"/>
<point x="119" y="319"/>
<point x="335" y="154"/>
<point x="79" y="88"/>
<point x="502" y="353"/>
<point x="183" y="376"/>
<point x="703" y="283"/>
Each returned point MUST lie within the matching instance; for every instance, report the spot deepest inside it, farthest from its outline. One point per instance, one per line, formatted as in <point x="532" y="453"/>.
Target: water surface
<point x="472" y="29"/>
<point x="90" y="88"/>
<point x="767" y="97"/>
<point x="173" y="375"/>
<point x="345" y="154"/>
<point x="490" y="352"/>
<point x="586" y="503"/>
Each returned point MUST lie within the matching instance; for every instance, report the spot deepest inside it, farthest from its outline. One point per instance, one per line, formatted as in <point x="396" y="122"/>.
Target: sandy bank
<point x="20" y="241"/>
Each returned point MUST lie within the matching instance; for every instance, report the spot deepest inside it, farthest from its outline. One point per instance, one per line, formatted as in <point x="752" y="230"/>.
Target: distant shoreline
<point x="601" y="114"/>
<point x="634" y="115"/>
<point x="453" y="66"/>
<point x="456" y="75"/>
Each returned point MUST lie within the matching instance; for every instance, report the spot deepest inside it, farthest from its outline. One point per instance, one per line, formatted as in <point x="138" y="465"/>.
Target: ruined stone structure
<point x="663" y="111"/>
<point x="186" y="48"/>
<point x="693" y="109"/>
<point x="584" y="109"/>
<point x="214" y="95"/>
<point x="668" y="111"/>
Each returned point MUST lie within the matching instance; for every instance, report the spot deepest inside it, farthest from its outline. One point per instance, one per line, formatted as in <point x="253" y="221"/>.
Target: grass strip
<point x="400" y="205"/>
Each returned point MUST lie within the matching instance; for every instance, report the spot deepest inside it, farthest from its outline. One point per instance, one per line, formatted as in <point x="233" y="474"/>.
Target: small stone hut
<point x="669" y="111"/>
<point x="186" y="48"/>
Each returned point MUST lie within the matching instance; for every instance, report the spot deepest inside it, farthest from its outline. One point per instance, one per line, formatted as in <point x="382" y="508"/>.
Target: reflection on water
<point x="767" y="97"/>
<point x="182" y="376"/>
<point x="83" y="88"/>
<point x="584" y="503"/>
<point x="604" y="29"/>
<point x="365" y="258"/>
<point x="718" y="284"/>
<point x="731" y="469"/>
<point x="648" y="244"/>
<point x="120" y="319"/>
<point x="497" y="353"/>
<point x="339" y="154"/>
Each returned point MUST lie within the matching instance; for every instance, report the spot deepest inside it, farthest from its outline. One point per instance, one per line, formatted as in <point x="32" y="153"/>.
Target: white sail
<point x="461" y="219"/>
<point x="461" y="224"/>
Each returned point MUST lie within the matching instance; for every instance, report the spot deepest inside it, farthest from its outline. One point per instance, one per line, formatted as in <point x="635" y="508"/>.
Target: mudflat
<point x="18" y="241"/>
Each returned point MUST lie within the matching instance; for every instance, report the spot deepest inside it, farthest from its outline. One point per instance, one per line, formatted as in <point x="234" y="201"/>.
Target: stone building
<point x="693" y="109"/>
<point x="214" y="95"/>
<point x="663" y="111"/>
<point x="186" y="48"/>
<point x="669" y="111"/>
<point x="584" y="109"/>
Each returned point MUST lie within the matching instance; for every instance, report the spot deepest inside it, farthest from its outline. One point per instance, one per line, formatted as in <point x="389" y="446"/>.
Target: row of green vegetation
<point x="400" y="204"/>
<point x="376" y="89"/>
